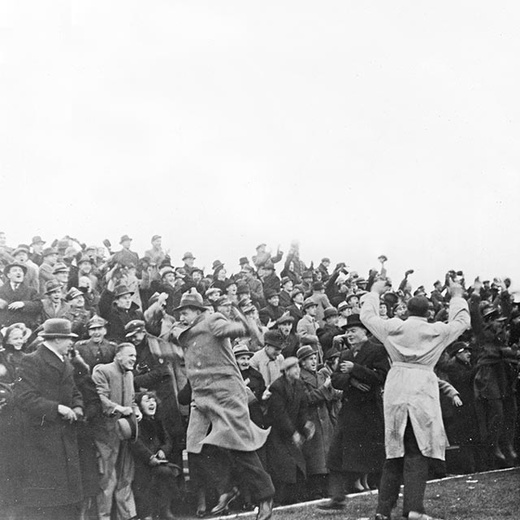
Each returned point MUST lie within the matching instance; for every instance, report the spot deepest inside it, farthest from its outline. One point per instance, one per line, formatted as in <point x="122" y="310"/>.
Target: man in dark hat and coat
<point x="358" y="446"/>
<point x="117" y="307"/>
<point x="219" y="413"/>
<point x="51" y="405"/>
<point x="18" y="302"/>
<point x="96" y="350"/>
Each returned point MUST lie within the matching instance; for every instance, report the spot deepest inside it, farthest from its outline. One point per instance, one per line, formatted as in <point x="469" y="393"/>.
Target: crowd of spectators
<point x="314" y="374"/>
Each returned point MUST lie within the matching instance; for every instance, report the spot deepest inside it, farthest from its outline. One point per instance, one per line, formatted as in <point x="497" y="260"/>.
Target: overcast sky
<point x="359" y="128"/>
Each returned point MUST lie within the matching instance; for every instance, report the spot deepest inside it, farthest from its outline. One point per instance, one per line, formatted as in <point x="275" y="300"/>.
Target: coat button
<point x="199" y="364"/>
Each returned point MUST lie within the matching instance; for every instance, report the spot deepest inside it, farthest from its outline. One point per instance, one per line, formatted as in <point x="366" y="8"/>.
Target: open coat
<point x="412" y="388"/>
<point x="51" y="448"/>
<point x="219" y="411"/>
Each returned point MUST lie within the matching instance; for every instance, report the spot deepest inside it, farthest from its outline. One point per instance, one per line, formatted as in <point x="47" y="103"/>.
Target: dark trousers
<point x="154" y="488"/>
<point x="413" y="470"/>
<point x="219" y="464"/>
<point x="65" y="512"/>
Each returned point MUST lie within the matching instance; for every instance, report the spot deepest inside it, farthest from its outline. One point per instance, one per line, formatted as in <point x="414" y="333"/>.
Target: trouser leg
<point x="216" y="465"/>
<point x="123" y="494"/>
<point x="252" y="472"/>
<point x="390" y="485"/>
<point x="509" y="425"/>
<point x="337" y="486"/>
<point x="415" y="473"/>
<point x="108" y="456"/>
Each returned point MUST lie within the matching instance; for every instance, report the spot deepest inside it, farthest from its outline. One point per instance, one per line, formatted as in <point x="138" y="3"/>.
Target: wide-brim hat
<point x="188" y="254"/>
<point x="124" y="238"/>
<point x="309" y="303"/>
<point x="241" y="350"/>
<point x="128" y="428"/>
<point x="193" y="301"/>
<point x="353" y="321"/>
<point x="243" y="260"/>
<point x="457" y="347"/>
<point x="8" y="267"/>
<point x="37" y="240"/>
<point x="57" y="328"/>
<point x="22" y="248"/>
<point x="52" y="285"/>
<point x="217" y="264"/>
<point x="49" y="251"/>
<point x="305" y="352"/>
<point x="121" y="290"/>
<point x="271" y="293"/>
<point x="273" y="338"/>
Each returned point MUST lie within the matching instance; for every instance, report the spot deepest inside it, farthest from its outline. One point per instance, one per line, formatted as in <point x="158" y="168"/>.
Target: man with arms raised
<point x="414" y="431"/>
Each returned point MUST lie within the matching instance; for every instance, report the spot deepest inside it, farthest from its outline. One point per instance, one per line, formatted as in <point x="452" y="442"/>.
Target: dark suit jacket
<point x="28" y="314"/>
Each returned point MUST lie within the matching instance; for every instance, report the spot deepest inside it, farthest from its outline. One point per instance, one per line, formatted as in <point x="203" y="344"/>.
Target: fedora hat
<point x="329" y="312"/>
<point x="305" y="352"/>
<point x="57" y="328"/>
<point x="60" y="268"/>
<point x="155" y="237"/>
<point x="37" y="240"/>
<point x="22" y="248"/>
<point x="84" y="259"/>
<point x="285" y="318"/>
<point x="193" y="301"/>
<point x="353" y="321"/>
<point x="121" y="290"/>
<point x="124" y="238"/>
<point x="188" y="254"/>
<point x="273" y="338"/>
<point x="289" y="363"/>
<point x="241" y="350"/>
<point x="52" y="285"/>
<point x="48" y="251"/>
<point x="8" y="267"/>
<point x="128" y="428"/>
<point x="309" y="303"/>
<point x="243" y="260"/>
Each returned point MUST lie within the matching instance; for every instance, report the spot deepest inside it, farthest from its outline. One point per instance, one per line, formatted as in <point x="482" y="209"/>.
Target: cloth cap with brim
<point x="213" y="290"/>
<point x="329" y="312"/>
<point x="57" y="328"/>
<point x="48" y="251"/>
<point x="188" y="255"/>
<point x="124" y="238"/>
<point x="295" y="293"/>
<point x="223" y="301"/>
<point x="285" y="280"/>
<point x="166" y="270"/>
<point x="457" y="347"/>
<point x="305" y="352"/>
<point x="289" y="363"/>
<point x="350" y="296"/>
<point x="155" y="237"/>
<point x="96" y="322"/>
<point x="331" y="354"/>
<point x="249" y="307"/>
<point x="21" y="249"/>
<point x="192" y="301"/>
<point x="342" y="306"/>
<point x="271" y="293"/>
<point x="121" y="290"/>
<point x="8" y="267"/>
<point x="51" y="286"/>
<point x="285" y="318"/>
<point x="353" y="321"/>
<point x="84" y="259"/>
<point x="128" y="428"/>
<point x="309" y="303"/>
<point x="241" y="350"/>
<point x="73" y="292"/>
<point x="260" y="245"/>
<point x="133" y="327"/>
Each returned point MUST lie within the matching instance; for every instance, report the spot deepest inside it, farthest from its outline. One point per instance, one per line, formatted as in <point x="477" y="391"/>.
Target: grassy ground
<point x="482" y="496"/>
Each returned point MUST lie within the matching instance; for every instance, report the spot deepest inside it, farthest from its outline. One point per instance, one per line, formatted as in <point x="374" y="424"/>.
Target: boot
<point x="166" y="514"/>
<point x="265" y="509"/>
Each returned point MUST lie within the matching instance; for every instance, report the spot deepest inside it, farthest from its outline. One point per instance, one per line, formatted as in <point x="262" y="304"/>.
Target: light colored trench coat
<point x="412" y="388"/>
<point x="219" y="412"/>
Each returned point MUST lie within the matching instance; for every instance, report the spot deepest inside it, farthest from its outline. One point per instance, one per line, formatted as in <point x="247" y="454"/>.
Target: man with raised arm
<point x="414" y="431"/>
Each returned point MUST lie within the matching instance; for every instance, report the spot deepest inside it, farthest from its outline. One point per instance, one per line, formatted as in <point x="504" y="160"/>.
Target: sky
<point x="357" y="128"/>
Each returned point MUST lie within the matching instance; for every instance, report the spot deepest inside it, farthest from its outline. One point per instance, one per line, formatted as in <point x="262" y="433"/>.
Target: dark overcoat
<point x="316" y="449"/>
<point x="28" y="314"/>
<point x="287" y="413"/>
<point x="51" y="448"/>
<point x="358" y="444"/>
<point x="117" y="318"/>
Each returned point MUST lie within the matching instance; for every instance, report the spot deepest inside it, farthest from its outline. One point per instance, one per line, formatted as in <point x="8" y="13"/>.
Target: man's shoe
<point x="224" y="501"/>
<point x="413" y="515"/>
<point x="265" y="509"/>
<point x="166" y="514"/>
<point x="332" y="505"/>
<point x="380" y="516"/>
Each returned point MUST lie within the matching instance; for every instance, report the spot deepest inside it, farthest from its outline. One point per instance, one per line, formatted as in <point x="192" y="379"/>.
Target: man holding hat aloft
<point x="219" y="401"/>
<point x="319" y="394"/>
<point x="50" y="404"/>
<point x="115" y="386"/>
<point x="18" y="302"/>
<point x="357" y="448"/>
<point x="117" y="307"/>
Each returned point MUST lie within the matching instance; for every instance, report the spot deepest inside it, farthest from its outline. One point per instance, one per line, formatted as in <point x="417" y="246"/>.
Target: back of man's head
<point x="418" y="306"/>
